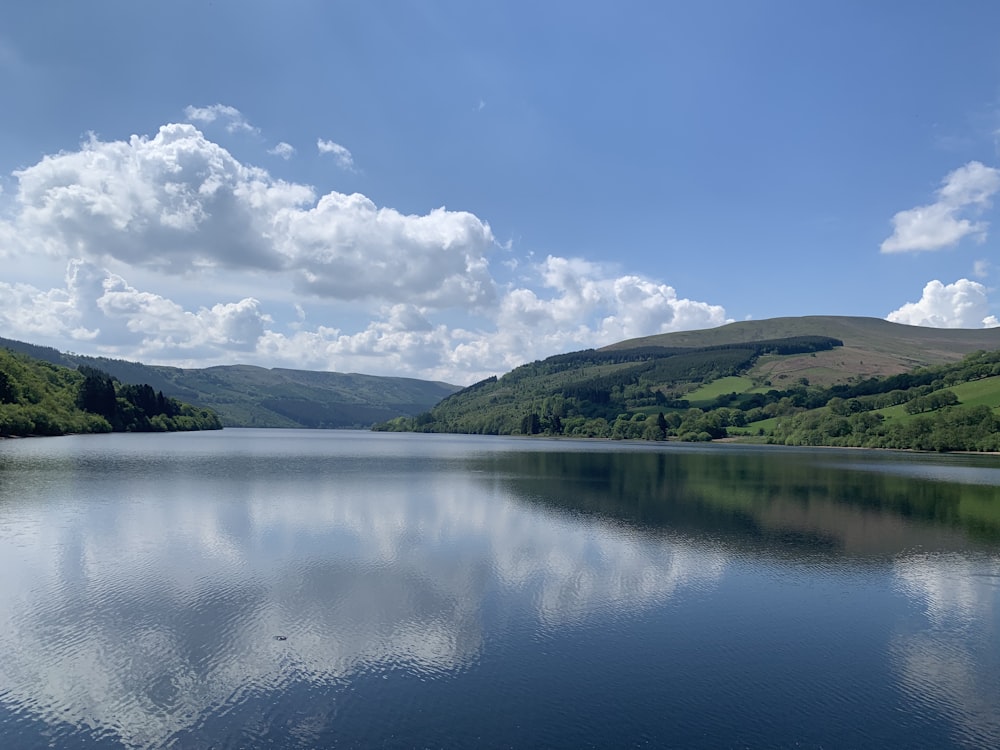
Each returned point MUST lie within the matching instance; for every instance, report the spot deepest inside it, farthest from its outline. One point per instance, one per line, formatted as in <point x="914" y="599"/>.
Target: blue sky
<point x="448" y="189"/>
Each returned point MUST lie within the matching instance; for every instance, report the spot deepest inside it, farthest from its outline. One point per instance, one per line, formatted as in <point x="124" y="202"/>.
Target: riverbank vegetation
<point x="40" y="398"/>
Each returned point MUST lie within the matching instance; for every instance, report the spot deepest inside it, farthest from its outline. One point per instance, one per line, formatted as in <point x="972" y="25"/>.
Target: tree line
<point x="41" y="398"/>
<point x="614" y="401"/>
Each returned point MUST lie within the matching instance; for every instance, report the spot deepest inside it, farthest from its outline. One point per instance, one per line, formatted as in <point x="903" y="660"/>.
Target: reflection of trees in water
<point x="787" y="502"/>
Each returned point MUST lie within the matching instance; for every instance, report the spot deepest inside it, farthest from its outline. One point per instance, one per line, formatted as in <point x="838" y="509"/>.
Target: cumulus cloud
<point x="964" y="192"/>
<point x="343" y="157"/>
<point x="28" y="312"/>
<point x="162" y="326"/>
<point x="963" y="304"/>
<point x="180" y="203"/>
<point x="177" y="253"/>
<point x="232" y="117"/>
<point x="578" y="306"/>
<point x="100" y="307"/>
<point x="624" y="306"/>
<point x="285" y="150"/>
<point x="172" y="202"/>
<point x="346" y="247"/>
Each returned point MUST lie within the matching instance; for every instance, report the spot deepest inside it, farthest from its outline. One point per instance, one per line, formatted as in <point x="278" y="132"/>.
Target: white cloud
<point x="101" y="307"/>
<point x="344" y="158"/>
<point x="579" y="305"/>
<point x="230" y="115"/>
<point x="182" y="204"/>
<point x="625" y="306"/>
<point x="967" y="190"/>
<point x="285" y="150"/>
<point x="172" y="202"/>
<point x="346" y="247"/>
<point x="177" y="253"/>
<point x="582" y="307"/>
<point x="981" y="268"/>
<point x="28" y="313"/>
<point x="963" y="304"/>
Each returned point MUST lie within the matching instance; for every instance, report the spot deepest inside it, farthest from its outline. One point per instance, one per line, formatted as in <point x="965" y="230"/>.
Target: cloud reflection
<point x="139" y="615"/>
<point x="944" y="665"/>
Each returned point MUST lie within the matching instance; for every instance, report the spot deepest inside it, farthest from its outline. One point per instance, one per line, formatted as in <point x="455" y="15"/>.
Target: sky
<point x="446" y="190"/>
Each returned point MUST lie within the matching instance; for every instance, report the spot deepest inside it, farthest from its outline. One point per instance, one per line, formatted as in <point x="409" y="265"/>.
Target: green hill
<point x="246" y="396"/>
<point x="757" y="378"/>
<point x="41" y="398"/>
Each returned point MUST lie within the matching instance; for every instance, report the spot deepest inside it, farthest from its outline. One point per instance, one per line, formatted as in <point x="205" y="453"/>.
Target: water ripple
<point x="461" y="602"/>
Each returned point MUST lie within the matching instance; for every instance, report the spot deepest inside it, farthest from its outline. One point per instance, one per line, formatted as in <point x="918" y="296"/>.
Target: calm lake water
<point x="312" y="589"/>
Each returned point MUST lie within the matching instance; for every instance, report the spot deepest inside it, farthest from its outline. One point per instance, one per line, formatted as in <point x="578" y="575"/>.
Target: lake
<point x="313" y="589"/>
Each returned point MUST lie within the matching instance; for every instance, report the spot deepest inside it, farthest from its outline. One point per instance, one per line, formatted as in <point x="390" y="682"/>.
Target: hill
<point x="740" y="379"/>
<point x="247" y="396"/>
<point x="41" y="398"/>
<point x="871" y="346"/>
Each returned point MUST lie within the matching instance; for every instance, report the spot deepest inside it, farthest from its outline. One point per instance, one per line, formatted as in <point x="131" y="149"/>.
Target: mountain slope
<point x="646" y="387"/>
<point x="248" y="396"/>
<point x="41" y="398"/>
<point x="866" y="333"/>
<point x="872" y="346"/>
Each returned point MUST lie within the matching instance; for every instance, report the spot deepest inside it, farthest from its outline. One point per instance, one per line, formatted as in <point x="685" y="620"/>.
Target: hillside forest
<point x="710" y="393"/>
<point x="40" y="398"/>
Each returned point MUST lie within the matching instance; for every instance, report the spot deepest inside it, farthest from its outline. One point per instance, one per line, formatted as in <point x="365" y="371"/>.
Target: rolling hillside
<point x="246" y="396"/>
<point x="872" y="346"/>
<point x="737" y="379"/>
<point x="41" y="398"/>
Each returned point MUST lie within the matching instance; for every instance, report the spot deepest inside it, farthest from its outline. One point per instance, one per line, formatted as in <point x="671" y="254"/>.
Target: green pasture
<point x="973" y="393"/>
<point x="979" y="392"/>
<point x="707" y="393"/>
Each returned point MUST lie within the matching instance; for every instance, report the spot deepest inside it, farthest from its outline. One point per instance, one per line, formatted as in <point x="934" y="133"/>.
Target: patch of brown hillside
<point x="838" y="365"/>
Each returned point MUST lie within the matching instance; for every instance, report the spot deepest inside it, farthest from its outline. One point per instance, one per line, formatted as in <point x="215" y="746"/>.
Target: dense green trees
<point x="39" y="398"/>
<point x="957" y="428"/>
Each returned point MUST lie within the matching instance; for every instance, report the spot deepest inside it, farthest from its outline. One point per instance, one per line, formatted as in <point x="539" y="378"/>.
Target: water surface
<point x="255" y="588"/>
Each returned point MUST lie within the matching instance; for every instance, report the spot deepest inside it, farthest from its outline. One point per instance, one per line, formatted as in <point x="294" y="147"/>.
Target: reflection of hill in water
<point x="143" y="588"/>
<point x="784" y="503"/>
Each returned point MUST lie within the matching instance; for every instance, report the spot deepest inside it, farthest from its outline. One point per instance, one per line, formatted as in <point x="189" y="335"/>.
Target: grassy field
<point x="754" y="428"/>
<point x="707" y="393"/>
<point x="979" y="392"/>
<point x="974" y="393"/>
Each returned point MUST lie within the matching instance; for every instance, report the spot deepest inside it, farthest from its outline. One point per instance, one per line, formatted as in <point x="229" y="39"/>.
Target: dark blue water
<point x="299" y="589"/>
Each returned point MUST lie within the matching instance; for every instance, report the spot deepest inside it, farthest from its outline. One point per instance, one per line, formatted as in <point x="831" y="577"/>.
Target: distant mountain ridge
<point x="249" y="396"/>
